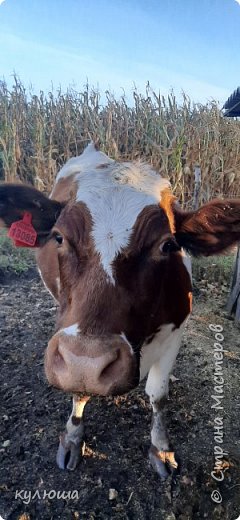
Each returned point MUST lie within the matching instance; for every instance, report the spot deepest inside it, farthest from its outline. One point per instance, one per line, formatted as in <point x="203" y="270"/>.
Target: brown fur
<point x="211" y="229"/>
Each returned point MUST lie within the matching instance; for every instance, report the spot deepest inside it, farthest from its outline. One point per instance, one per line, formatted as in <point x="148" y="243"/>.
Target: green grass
<point x="14" y="259"/>
<point x="214" y="269"/>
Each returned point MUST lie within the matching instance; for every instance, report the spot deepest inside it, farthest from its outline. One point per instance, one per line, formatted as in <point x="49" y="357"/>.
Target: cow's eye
<point x="58" y="238"/>
<point x="169" y="246"/>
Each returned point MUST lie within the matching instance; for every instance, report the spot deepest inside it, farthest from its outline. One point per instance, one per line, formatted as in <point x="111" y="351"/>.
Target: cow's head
<point x="112" y="257"/>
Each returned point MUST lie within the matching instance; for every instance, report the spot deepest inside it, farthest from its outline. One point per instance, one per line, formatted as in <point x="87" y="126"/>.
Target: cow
<point x="113" y="249"/>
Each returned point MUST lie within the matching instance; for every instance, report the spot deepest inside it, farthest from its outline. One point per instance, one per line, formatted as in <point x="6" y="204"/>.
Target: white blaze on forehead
<point x="115" y="195"/>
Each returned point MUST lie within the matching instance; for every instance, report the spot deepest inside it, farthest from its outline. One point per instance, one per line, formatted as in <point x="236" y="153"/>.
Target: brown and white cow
<point x="111" y="249"/>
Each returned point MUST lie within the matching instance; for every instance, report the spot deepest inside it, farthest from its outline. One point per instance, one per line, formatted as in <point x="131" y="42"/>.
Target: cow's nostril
<point x="112" y="368"/>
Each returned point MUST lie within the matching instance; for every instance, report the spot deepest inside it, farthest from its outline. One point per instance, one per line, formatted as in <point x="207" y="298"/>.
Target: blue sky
<point x="181" y="44"/>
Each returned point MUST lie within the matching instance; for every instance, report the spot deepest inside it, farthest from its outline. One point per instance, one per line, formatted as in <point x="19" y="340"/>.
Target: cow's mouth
<point x="102" y="366"/>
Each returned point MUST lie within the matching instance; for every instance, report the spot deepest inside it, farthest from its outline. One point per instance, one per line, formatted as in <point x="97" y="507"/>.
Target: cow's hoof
<point x="163" y="462"/>
<point x="68" y="454"/>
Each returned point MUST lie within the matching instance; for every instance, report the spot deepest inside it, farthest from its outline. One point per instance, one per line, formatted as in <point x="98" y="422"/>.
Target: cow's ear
<point x="17" y="199"/>
<point x="211" y="229"/>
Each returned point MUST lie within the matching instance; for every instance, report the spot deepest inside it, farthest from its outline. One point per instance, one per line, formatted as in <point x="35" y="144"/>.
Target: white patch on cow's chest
<point x="115" y="196"/>
<point x="166" y="340"/>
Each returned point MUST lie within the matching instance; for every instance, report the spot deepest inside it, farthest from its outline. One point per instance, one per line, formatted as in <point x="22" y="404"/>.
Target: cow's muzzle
<point x="102" y="366"/>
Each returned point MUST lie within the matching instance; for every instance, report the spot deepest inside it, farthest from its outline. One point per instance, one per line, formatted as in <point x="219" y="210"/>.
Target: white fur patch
<point x="152" y="352"/>
<point x="158" y="358"/>
<point x="115" y="196"/>
<point x="72" y="330"/>
<point x="161" y="350"/>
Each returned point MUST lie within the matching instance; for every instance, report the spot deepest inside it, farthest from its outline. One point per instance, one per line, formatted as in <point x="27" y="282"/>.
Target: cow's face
<point x="108" y="311"/>
<point x="111" y="255"/>
<point x="110" y="247"/>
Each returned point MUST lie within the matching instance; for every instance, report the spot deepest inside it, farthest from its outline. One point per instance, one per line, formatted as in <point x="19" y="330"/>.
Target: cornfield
<point x="39" y="133"/>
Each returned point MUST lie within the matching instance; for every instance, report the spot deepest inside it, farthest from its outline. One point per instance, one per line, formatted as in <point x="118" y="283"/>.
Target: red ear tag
<point x="22" y="232"/>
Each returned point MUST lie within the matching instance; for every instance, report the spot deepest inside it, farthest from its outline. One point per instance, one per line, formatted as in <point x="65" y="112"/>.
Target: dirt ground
<point x="116" y="429"/>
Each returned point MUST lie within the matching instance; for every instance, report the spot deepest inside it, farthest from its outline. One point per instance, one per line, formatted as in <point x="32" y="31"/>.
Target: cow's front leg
<point x="161" y="457"/>
<point x="69" y="450"/>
